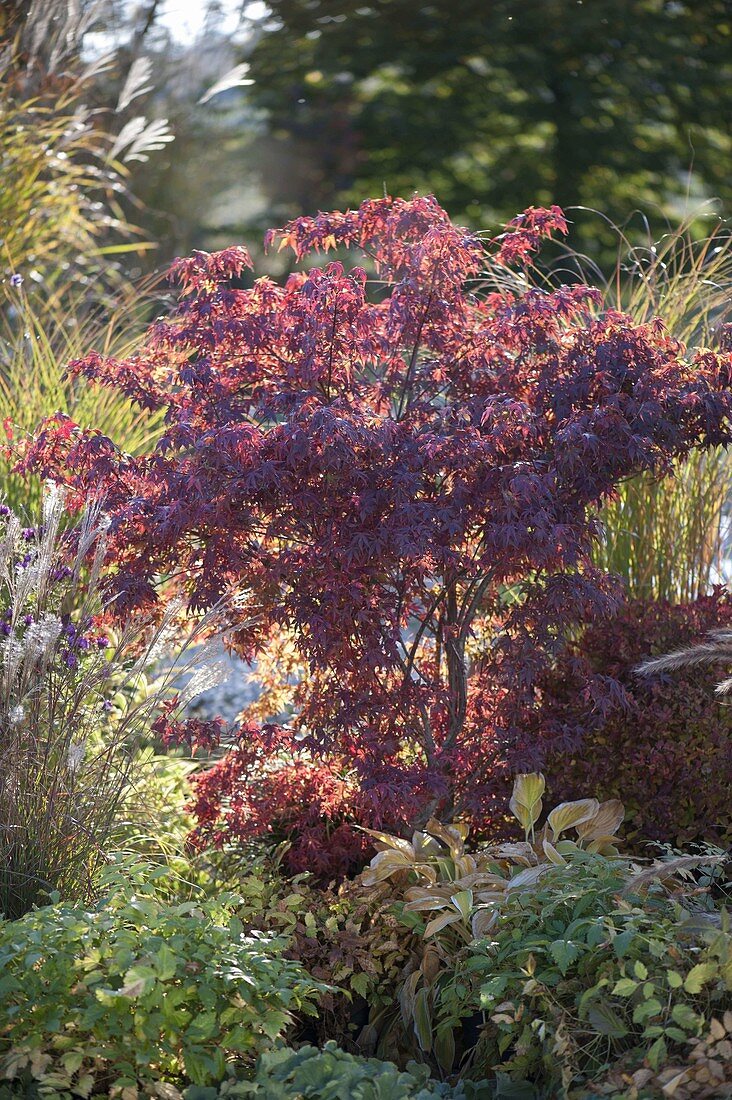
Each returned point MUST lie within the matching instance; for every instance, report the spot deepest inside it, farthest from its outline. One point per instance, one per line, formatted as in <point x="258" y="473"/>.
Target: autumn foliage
<point x="401" y="471"/>
<point x="665" y="749"/>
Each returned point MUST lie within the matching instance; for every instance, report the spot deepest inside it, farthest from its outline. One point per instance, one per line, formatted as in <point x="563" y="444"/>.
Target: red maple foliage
<point x="403" y="473"/>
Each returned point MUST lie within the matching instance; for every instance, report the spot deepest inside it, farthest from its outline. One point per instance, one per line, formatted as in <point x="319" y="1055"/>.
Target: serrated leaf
<point x="622" y="942"/>
<point x="685" y="1017"/>
<point x="646" y="1010"/>
<point x="564" y="953"/>
<point x="361" y="984"/>
<point x="606" y="1021"/>
<point x="624" y="987"/>
<point x="698" y="976"/>
<point x="657" y="1053"/>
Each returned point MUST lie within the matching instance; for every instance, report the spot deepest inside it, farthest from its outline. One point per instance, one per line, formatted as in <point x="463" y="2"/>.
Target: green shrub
<point x="579" y="973"/>
<point x="331" y="1074"/>
<point x="134" y="992"/>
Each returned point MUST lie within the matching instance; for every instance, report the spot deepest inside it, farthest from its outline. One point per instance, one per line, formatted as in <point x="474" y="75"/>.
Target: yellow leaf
<point x="463" y="901"/>
<point x="438" y="923"/>
<point x="451" y="835"/>
<point x="552" y="854"/>
<point x="483" y="921"/>
<point x="525" y="802"/>
<point x="606" y="821"/>
<point x="568" y="815"/>
<point x="396" y="843"/>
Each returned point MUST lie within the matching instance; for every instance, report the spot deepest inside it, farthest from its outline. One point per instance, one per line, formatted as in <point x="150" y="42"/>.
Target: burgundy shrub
<point x="666" y="752"/>
<point x="403" y="473"/>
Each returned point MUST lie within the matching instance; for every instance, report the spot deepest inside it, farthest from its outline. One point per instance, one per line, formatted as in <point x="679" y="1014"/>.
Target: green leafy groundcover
<point x="332" y="1074"/>
<point x="135" y="991"/>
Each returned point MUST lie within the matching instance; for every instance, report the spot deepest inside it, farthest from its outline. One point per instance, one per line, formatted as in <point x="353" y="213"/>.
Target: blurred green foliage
<point x="611" y="104"/>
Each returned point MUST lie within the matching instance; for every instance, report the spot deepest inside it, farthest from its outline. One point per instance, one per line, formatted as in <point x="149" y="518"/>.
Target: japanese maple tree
<point x="401" y="474"/>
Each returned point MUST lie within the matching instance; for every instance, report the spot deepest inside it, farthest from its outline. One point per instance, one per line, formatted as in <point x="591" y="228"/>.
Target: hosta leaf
<point x="444" y="1049"/>
<point x="525" y="802"/>
<point x="452" y="835"/>
<point x="396" y="843"/>
<point x="463" y="901"/>
<point x="483" y="921"/>
<point x="527" y="877"/>
<point x="407" y="995"/>
<point x="568" y="815"/>
<point x="552" y="854"/>
<point x="606" y="821"/>
<point x="383" y="866"/>
<point x="426" y="904"/>
<point x="438" y="923"/>
<point x="603" y="846"/>
<point x="423" y="1020"/>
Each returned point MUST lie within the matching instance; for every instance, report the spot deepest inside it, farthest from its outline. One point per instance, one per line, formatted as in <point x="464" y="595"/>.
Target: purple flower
<point x="16" y="280"/>
<point x="4" y="510"/>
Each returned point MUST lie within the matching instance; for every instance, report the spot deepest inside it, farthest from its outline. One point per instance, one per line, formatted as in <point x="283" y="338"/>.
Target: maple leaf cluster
<point x="398" y="465"/>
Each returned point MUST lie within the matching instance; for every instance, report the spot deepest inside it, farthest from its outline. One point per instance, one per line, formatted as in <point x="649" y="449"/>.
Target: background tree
<point x="615" y="105"/>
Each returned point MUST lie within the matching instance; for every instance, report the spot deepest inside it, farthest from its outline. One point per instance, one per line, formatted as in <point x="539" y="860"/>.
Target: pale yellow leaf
<point x="568" y="815"/>
<point x="606" y="821"/>
<point x="525" y="802"/>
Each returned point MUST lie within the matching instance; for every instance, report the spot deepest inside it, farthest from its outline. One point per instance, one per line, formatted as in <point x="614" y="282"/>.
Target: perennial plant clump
<point x="75" y="704"/>
<point x="133" y="994"/>
<point x="402" y="474"/>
